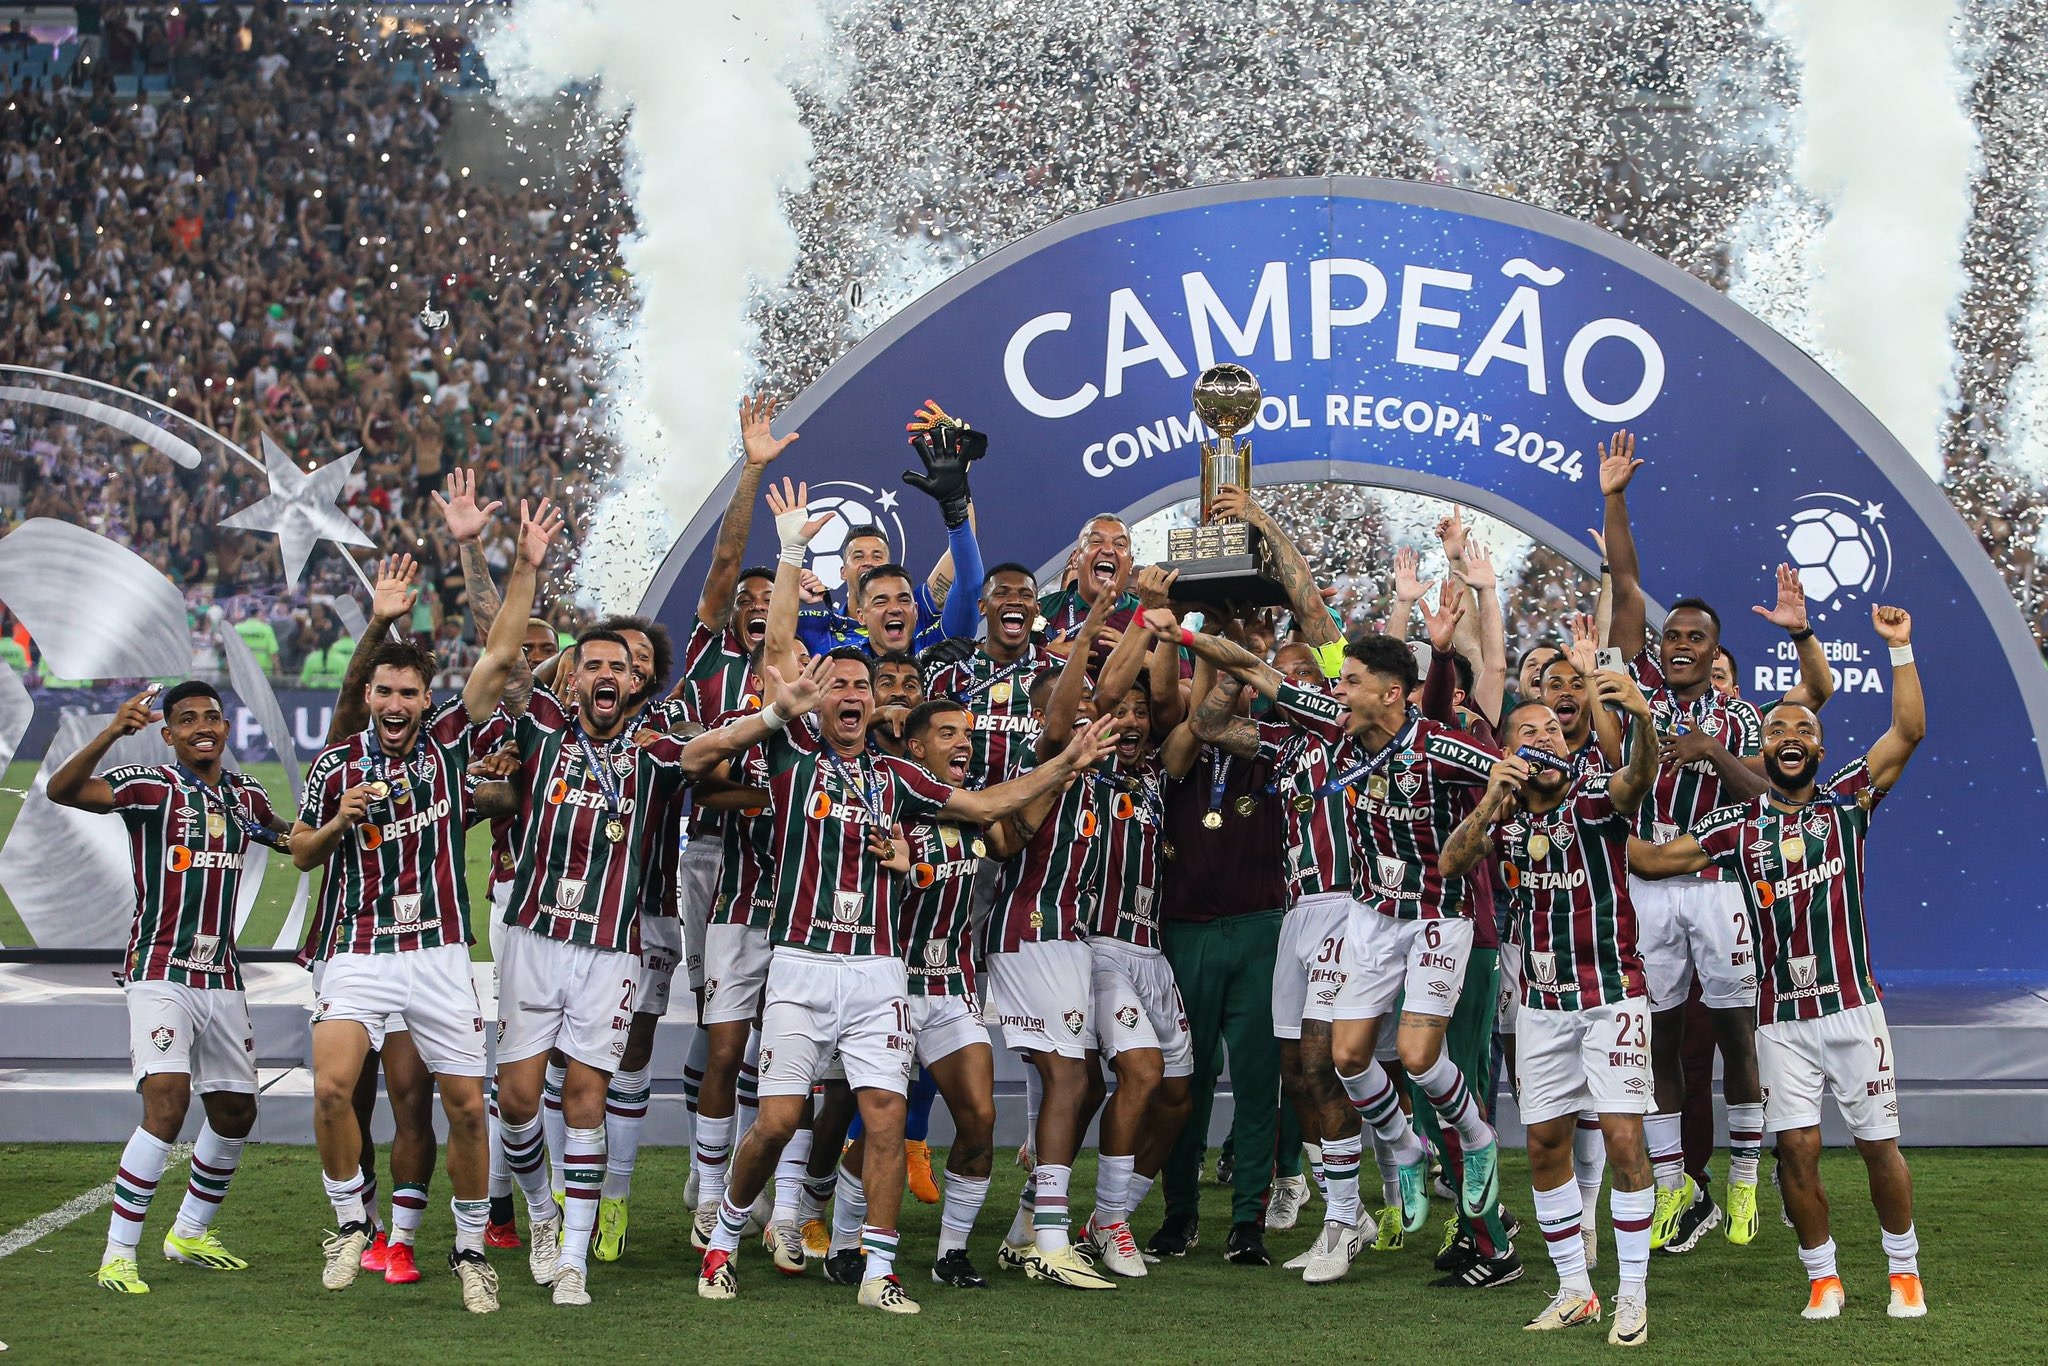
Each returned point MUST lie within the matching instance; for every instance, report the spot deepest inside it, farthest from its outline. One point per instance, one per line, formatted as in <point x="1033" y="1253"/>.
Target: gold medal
<point x="1212" y="820"/>
<point x="1037" y="919"/>
<point x="1539" y="846"/>
<point x="1377" y="788"/>
<point x="948" y="836"/>
<point x="999" y="693"/>
<point x="380" y="789"/>
<point x="1166" y="848"/>
<point x="978" y="849"/>
<point x="216" y="824"/>
<point x="615" y="830"/>
<point x="1793" y="847"/>
<point x="1244" y="806"/>
<point x="1304" y="803"/>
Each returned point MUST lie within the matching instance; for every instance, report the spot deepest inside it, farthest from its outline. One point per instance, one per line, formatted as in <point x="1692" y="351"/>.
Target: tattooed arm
<point x="1472" y="841"/>
<point x="1311" y="618"/>
<point x="467" y="523"/>
<point x="1215" y="722"/>
<point x="391" y="599"/>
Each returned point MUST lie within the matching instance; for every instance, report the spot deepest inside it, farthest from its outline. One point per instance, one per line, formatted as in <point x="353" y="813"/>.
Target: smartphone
<point x="1610" y="658"/>
<point x="1423" y="655"/>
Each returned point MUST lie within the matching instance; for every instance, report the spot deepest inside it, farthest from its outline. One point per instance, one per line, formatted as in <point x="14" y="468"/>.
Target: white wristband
<point x="1901" y="654"/>
<point x="792" y="554"/>
<point x="772" y="717"/>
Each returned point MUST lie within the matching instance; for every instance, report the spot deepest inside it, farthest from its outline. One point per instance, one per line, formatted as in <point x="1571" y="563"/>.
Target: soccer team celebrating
<point x="873" y="833"/>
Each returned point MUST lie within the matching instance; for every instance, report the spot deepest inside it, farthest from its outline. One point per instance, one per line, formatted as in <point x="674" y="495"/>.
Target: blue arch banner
<point x="1433" y="339"/>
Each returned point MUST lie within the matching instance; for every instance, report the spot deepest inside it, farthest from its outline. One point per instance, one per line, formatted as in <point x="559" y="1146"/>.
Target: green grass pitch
<point x="1717" y="1304"/>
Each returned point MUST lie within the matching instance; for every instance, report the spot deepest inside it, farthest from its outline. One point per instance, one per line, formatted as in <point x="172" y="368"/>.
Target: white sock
<point x="470" y="1218"/>
<point x="964" y="1197"/>
<point x="1314" y="1153"/>
<point x="712" y="1155"/>
<point x="552" y="1125"/>
<point x="1390" y="1169"/>
<point x="1903" y="1249"/>
<point x="1557" y="1214"/>
<point x="880" y="1246"/>
<point x="1665" y="1136"/>
<point x="1020" y="1223"/>
<point x="1589" y="1166"/>
<point x="214" y="1160"/>
<point x="1340" y="1163"/>
<point x="1818" y="1261"/>
<point x="1112" y="1189"/>
<point x="1745" y="1142"/>
<point x="1034" y="1094"/>
<point x="625" y="1114"/>
<point x="494" y="1133"/>
<point x="526" y="1156"/>
<point x="731" y="1226"/>
<point x="1631" y="1212"/>
<point x="582" y="1182"/>
<point x="1141" y="1186"/>
<point x="1379" y="1109"/>
<point x="346" y="1195"/>
<point x="791" y="1170"/>
<point x="849" y="1211"/>
<point x="408" y="1208"/>
<point x="1452" y="1100"/>
<point x="135" y="1183"/>
<point x="1049" y="1217"/>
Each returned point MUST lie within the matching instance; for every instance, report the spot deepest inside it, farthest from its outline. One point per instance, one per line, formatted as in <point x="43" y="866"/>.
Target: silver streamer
<point x="97" y="609"/>
<point x="245" y="675"/>
<point x="17" y="709"/>
<point x="127" y="423"/>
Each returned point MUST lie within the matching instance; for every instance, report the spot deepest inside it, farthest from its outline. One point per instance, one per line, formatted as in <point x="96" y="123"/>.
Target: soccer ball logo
<point x="1839" y="546"/>
<point x="858" y="505"/>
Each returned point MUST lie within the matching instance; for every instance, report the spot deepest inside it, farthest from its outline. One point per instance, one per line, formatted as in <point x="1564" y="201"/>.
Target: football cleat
<point x="1484" y="1273"/>
<point x="1330" y="1258"/>
<point x="1741" y="1213"/>
<point x="1178" y="1234"/>
<point x="1117" y="1250"/>
<point x="1015" y="1256"/>
<point x="373" y="1255"/>
<point x="479" y="1281"/>
<point x="570" y="1288"/>
<point x="205" y="1250"/>
<point x="1068" y="1268"/>
<point x="544" y="1250"/>
<point x="702" y="1225"/>
<point x="1567" y="1309"/>
<point x="817" y="1236"/>
<point x="1246" y="1245"/>
<point x="344" y="1249"/>
<point x="1824" y="1299"/>
<point x="1393" y="1232"/>
<point x="1414" y="1197"/>
<point x="610" y="1241"/>
<point x="1284" y="1204"/>
<point x="1226" y="1167"/>
<point x="1631" y="1326"/>
<point x="954" y="1269"/>
<point x="399" y="1266"/>
<point x="1457" y="1249"/>
<point x="120" y="1274"/>
<point x="886" y="1293"/>
<point x="1695" y="1221"/>
<point x="505" y="1235"/>
<point x="1909" y="1298"/>
<point x="1672" y="1201"/>
<point x="844" y="1266"/>
<point x="917" y="1162"/>
<point x="716" y="1280"/>
<point x="1480" y="1190"/>
<point x="785" y="1245"/>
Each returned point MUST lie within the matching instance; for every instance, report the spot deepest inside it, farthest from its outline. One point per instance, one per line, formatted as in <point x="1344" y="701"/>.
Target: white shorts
<point x="1386" y="957"/>
<point x="1851" y="1051"/>
<point x="1040" y="993"/>
<point x="697" y="874"/>
<point x="1509" y="1010"/>
<point x="1570" y="1061"/>
<point x="1688" y="925"/>
<point x="568" y="996"/>
<point x="1137" y="1005"/>
<point x="819" y="1002"/>
<point x="661" y="944"/>
<point x="202" y="1032"/>
<point x="1308" y="970"/>
<point x="943" y="1025"/>
<point x="393" y="1024"/>
<point x="429" y="990"/>
<point x="735" y="973"/>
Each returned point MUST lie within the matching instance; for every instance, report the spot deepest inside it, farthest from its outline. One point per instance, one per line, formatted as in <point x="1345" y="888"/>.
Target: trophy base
<point x="1226" y="582"/>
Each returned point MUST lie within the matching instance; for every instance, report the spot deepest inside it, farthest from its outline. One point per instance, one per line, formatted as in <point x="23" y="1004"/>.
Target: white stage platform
<point x="1973" y="1062"/>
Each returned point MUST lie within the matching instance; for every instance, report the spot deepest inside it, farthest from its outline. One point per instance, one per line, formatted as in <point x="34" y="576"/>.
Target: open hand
<point x="1789" y="612"/>
<point x="537" y="531"/>
<point x="393" y="596"/>
<point x="1618" y="464"/>
<point x="466" y="521"/>
<point x="757" y="413"/>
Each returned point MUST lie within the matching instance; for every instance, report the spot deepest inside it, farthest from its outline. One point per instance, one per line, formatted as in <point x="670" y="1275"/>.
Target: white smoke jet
<point x="1890" y="151"/>
<point x="714" y="146"/>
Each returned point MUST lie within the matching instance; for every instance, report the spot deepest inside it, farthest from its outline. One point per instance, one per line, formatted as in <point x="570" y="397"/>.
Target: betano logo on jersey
<point x="1767" y="893"/>
<point x="179" y="859"/>
<point x="1554" y="882"/>
<point x="561" y="794"/>
<point x="369" y="836"/>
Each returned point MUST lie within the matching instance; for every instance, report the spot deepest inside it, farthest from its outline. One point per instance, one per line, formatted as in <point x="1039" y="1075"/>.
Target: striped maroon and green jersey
<point x="1571" y="908"/>
<point x="574" y="882"/>
<point x="186" y="844"/>
<point x="831" y="894"/>
<point x="944" y="857"/>
<point x="1405" y="813"/>
<point x="1588" y="759"/>
<point x="1685" y="793"/>
<point x="396" y="882"/>
<point x="999" y="698"/>
<point x="1307" y="747"/>
<point x="671" y="807"/>
<point x="715" y="673"/>
<point x="1802" y="875"/>
<point x="1128" y="908"/>
<point x="1048" y="892"/>
<point x="746" y="874"/>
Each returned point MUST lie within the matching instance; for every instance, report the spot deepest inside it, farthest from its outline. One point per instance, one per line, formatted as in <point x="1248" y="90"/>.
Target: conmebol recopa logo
<point x="1840" y="548"/>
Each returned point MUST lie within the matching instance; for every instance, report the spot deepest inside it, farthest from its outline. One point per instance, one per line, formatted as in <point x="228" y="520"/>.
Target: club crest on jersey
<point x="1391" y="870"/>
<point x="426" y="768"/>
<point x="767" y="1060"/>
<point x="1543" y="968"/>
<point x="1818" y="824"/>
<point x="569" y="893"/>
<point x="710" y="988"/>
<point x="622" y="764"/>
<point x="1562" y="837"/>
<point x="204" y="947"/>
<point x="1074" y="1020"/>
<point x="1409" y="783"/>
<point x="162" y="1037"/>
<point x="1127" y="1016"/>
<point x="405" y="908"/>
<point x="1711" y="724"/>
<point x="1804" y="969"/>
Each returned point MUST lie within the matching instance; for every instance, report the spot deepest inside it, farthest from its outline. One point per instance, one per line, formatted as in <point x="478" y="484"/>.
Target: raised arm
<point x="1816" y="683"/>
<point x="1618" y="465"/>
<point x="1456" y="537"/>
<point x="1057" y="725"/>
<point x="1490" y="679"/>
<point x="1584" y="653"/>
<point x="1633" y="783"/>
<point x="947" y="448"/>
<point x="1887" y="758"/>
<point x="790" y="698"/>
<point x="1137" y="645"/>
<point x="1227" y="655"/>
<point x="1091" y="744"/>
<point x="1472" y="840"/>
<point x="1408" y="590"/>
<point x="537" y="532"/>
<point x="467" y="523"/>
<point x="1311" y="618"/>
<point x="794" y="528"/>
<point x="73" y="784"/>
<point x="757" y="413"/>
<point x="391" y="600"/>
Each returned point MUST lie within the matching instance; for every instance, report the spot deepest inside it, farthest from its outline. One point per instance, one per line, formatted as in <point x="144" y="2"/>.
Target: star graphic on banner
<point x="886" y="500"/>
<point x="1873" y="512"/>
<point x="301" y="509"/>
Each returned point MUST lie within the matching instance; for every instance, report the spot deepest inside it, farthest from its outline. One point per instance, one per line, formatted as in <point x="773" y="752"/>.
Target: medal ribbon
<point x="1015" y="667"/>
<point x="600" y="771"/>
<point x="867" y="789"/>
<point x="1216" y="783"/>
<point x="207" y="798"/>
<point x="1372" y="764"/>
<point x="379" y="763"/>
